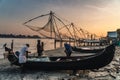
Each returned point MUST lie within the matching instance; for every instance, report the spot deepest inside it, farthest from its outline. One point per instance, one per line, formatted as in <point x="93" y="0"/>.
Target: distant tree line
<point x="17" y="36"/>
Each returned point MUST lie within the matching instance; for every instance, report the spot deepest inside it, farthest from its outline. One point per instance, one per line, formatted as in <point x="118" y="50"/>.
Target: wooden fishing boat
<point x="88" y="50"/>
<point x="68" y="63"/>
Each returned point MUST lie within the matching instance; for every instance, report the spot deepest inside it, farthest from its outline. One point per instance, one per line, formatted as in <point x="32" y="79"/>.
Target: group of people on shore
<point x="40" y="47"/>
<point x="23" y="53"/>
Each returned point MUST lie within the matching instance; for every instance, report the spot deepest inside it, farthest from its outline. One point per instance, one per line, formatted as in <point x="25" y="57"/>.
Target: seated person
<point x="17" y="54"/>
<point x="68" y="49"/>
<point x="7" y="50"/>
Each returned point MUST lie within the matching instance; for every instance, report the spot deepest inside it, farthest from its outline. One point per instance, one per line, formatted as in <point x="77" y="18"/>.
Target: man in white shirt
<point x="23" y="53"/>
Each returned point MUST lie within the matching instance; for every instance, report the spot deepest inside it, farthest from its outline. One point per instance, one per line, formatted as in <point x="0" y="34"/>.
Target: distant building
<point x="112" y="36"/>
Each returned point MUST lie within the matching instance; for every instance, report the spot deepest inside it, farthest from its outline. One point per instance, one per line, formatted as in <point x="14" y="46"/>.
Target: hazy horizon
<point x="96" y="16"/>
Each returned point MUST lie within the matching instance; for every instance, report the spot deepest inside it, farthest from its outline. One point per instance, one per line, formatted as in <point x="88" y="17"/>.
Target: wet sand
<point x="109" y="72"/>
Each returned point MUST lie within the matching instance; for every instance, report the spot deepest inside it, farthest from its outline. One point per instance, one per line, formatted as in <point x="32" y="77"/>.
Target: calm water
<point x="18" y="43"/>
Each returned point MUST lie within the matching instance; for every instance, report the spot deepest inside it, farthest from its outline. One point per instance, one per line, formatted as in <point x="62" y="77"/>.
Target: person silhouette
<point x="68" y="49"/>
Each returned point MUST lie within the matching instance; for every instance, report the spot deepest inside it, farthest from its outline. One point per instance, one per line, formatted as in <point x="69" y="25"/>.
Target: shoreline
<point x="109" y="72"/>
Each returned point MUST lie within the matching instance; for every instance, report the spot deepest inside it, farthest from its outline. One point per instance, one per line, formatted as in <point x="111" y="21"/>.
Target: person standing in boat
<point x="23" y="54"/>
<point x="40" y="47"/>
<point x="68" y="49"/>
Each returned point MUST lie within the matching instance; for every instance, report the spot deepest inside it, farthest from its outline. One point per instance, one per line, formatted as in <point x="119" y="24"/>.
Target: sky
<point x="96" y="16"/>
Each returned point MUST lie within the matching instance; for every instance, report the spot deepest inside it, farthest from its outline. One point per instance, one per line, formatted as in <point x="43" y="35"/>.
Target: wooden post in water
<point x="12" y="45"/>
<point x="69" y="40"/>
<point x="60" y="43"/>
<point x="54" y="43"/>
<point x="74" y="42"/>
<point x="91" y="39"/>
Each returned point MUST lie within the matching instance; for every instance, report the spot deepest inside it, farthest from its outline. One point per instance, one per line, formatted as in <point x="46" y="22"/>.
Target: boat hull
<point x="87" y="50"/>
<point x="74" y="62"/>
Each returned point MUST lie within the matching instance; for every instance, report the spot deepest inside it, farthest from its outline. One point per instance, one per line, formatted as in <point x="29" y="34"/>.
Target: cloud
<point x="97" y="3"/>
